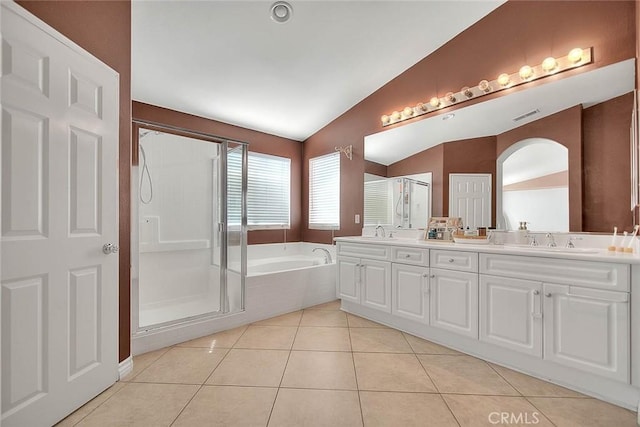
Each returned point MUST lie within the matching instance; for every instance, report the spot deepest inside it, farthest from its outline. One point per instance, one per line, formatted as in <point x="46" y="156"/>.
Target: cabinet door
<point x="587" y="329"/>
<point x="454" y="301"/>
<point x="349" y="279"/>
<point x="511" y="313"/>
<point x="376" y="284"/>
<point x="410" y="292"/>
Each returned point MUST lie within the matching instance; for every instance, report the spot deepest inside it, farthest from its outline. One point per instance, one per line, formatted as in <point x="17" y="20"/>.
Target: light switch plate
<point x="357" y="219"/>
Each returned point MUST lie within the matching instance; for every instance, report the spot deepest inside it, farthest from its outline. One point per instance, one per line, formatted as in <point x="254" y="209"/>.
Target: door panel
<point x="349" y="279"/>
<point x="454" y="301"/>
<point x="376" y="284"/>
<point x="588" y="332"/>
<point x="410" y="292"/>
<point x="470" y="199"/>
<point x="511" y="313"/>
<point x="60" y="205"/>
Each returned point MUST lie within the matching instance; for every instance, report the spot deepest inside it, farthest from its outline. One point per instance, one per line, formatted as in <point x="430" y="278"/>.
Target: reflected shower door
<point x="234" y="236"/>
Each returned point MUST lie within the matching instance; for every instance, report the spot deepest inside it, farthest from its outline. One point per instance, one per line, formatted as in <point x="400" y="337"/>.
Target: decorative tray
<point x="471" y="240"/>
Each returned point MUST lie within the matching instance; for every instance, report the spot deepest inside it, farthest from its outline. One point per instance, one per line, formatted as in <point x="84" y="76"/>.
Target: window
<point x="268" y="190"/>
<point x="324" y="192"/>
<point x="377" y="202"/>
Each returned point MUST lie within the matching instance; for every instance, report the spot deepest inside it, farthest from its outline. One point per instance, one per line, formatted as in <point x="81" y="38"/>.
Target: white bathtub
<point x="283" y="263"/>
<point x="281" y="278"/>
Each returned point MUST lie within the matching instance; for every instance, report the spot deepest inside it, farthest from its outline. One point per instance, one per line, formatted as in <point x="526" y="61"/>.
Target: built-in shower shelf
<point x="174" y="245"/>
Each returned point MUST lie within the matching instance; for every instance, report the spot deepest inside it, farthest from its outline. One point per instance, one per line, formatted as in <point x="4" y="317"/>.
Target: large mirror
<point x="546" y="172"/>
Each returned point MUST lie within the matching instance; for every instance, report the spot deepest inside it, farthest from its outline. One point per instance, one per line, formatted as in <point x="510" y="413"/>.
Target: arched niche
<point x="532" y="180"/>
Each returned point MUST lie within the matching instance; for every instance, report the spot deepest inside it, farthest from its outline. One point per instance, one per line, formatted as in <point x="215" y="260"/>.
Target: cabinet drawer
<point x="591" y="274"/>
<point x="364" y="251"/>
<point x="410" y="256"/>
<point x="455" y="260"/>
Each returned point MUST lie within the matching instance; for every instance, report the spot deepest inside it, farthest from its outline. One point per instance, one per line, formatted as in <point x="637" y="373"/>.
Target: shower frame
<point x="223" y="229"/>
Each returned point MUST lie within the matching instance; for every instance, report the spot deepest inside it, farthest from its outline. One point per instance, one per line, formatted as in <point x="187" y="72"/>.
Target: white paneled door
<point x="59" y="209"/>
<point x="470" y="199"/>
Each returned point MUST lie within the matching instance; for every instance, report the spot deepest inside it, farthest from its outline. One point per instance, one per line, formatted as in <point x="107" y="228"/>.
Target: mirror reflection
<point x="581" y="114"/>
<point x="399" y="202"/>
<point x="534" y="186"/>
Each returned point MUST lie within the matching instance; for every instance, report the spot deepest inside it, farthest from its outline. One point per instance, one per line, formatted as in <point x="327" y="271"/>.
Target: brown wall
<point x="565" y="128"/>
<point x="104" y="29"/>
<point x="525" y="31"/>
<point x="258" y="142"/>
<point x="607" y="203"/>
<point x="375" y="168"/>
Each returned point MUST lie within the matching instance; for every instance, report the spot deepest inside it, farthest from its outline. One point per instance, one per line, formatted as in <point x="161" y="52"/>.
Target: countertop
<point x="580" y="253"/>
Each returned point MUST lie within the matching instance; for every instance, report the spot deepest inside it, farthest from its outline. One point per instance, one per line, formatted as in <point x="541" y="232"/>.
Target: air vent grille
<point x="525" y="115"/>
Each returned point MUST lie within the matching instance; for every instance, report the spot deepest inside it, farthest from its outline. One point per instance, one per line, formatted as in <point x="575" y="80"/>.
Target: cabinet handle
<point x="425" y="275"/>
<point x="433" y="276"/>
<point x="536" y="292"/>
<point x="407" y="256"/>
<point x="450" y="259"/>
<point x="547" y="294"/>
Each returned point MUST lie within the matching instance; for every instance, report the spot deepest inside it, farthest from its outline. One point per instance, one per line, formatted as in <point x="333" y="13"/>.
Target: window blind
<point x="377" y="204"/>
<point x="324" y="192"/>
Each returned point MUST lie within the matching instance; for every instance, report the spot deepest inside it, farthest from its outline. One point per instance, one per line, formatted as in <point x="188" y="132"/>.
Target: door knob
<point x="110" y="248"/>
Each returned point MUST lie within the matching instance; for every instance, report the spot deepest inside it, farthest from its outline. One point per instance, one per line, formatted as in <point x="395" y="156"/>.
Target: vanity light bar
<point x="575" y="58"/>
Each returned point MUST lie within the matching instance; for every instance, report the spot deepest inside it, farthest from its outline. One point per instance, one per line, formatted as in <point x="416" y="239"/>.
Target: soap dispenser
<point x="522" y="233"/>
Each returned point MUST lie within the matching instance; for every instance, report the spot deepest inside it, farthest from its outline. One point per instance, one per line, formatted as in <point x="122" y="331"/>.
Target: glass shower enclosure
<point x="191" y="209"/>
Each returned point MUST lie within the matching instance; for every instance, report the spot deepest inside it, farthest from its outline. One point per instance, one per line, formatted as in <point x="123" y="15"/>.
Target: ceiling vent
<point x="525" y="115"/>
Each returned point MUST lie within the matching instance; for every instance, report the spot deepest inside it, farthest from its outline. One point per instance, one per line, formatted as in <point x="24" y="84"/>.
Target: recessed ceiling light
<point x="281" y="12"/>
<point x="448" y="116"/>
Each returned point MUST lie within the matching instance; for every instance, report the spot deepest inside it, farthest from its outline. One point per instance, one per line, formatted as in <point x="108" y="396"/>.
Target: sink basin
<point x="556" y="249"/>
<point x="382" y="239"/>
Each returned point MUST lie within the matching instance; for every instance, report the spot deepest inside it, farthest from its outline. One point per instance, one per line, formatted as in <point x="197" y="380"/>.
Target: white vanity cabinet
<point x="587" y="329"/>
<point x="511" y="313"/>
<point x="578" y="321"/>
<point x="410" y="284"/>
<point x="454" y="292"/>
<point x="364" y="275"/>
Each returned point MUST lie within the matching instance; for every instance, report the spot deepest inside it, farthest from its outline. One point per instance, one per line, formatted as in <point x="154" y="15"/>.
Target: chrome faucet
<point x="570" y="241"/>
<point x="382" y="234"/>
<point x="534" y="241"/>
<point x="327" y="255"/>
<point x="551" y="243"/>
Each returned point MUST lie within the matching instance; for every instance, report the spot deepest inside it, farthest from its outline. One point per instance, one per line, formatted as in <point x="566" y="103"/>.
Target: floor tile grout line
<point x="490" y="365"/>
<point x="455" y="418"/>
<point x="275" y="399"/>
<point x="542" y="412"/>
<point x="124" y="384"/>
<point x="166" y="350"/>
<point x="355" y="374"/>
<point x="187" y="404"/>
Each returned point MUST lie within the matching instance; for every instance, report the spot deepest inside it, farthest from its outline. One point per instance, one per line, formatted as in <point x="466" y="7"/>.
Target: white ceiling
<point x="496" y="116"/>
<point x="227" y="60"/>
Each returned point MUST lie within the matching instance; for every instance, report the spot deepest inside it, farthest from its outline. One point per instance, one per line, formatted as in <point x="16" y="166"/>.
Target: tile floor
<point x="323" y="367"/>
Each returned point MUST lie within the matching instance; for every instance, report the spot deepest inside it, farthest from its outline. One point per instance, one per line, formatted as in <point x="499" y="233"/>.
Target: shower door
<point x="233" y="224"/>
<point x="192" y="227"/>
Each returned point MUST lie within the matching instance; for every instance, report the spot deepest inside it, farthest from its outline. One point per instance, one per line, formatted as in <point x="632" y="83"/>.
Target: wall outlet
<point x="357" y="219"/>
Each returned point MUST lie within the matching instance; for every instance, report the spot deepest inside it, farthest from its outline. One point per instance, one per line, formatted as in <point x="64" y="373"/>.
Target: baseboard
<point x="125" y="367"/>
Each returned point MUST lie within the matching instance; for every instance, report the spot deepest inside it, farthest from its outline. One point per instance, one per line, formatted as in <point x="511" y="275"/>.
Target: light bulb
<point x="549" y="64"/>
<point x="526" y="72"/>
<point x="435" y="101"/>
<point x="385" y="119"/>
<point x="395" y="115"/>
<point x="451" y="97"/>
<point x="407" y="112"/>
<point x="503" y="79"/>
<point x="467" y="92"/>
<point x="421" y="107"/>
<point x="484" y="86"/>
<point x="575" y="55"/>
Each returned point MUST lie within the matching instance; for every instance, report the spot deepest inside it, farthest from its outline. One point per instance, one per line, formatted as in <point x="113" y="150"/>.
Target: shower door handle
<point x="110" y="248"/>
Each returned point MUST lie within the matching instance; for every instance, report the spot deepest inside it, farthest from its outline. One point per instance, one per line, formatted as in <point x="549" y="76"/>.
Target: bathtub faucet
<point x="327" y="254"/>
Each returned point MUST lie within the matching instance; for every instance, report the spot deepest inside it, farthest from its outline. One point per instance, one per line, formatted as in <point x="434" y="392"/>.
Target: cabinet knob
<point x="536" y="292"/>
<point x="425" y="275"/>
<point x="547" y="294"/>
<point x="407" y="256"/>
<point x="450" y="259"/>
<point x="433" y="276"/>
